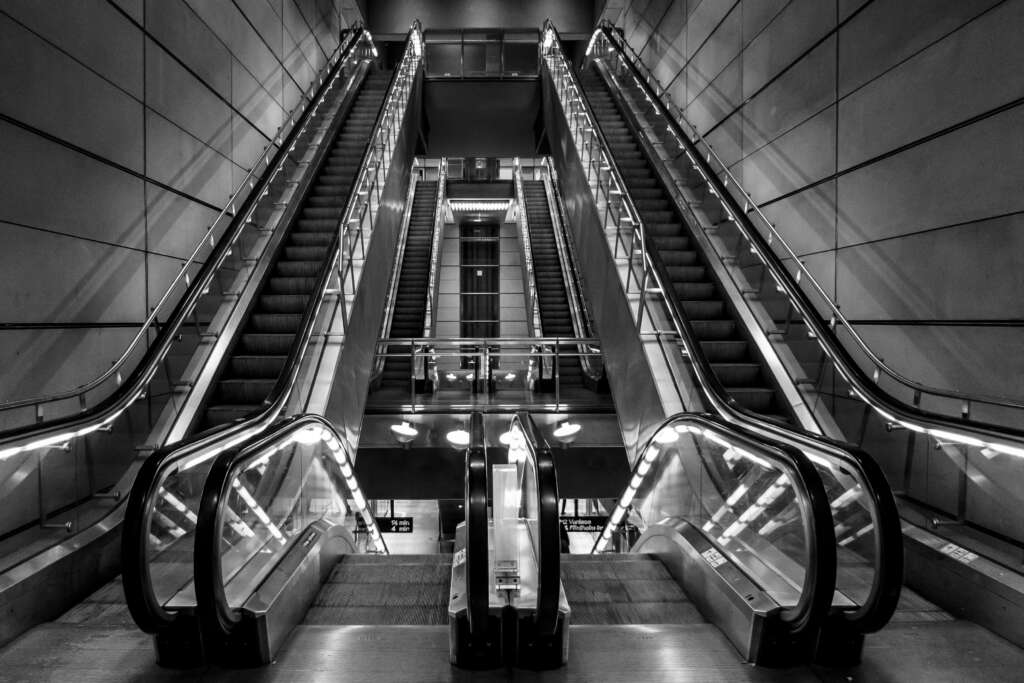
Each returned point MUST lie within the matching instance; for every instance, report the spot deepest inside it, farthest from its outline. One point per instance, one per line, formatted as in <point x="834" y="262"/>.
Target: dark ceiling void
<point x="439" y="472"/>
<point x="394" y="16"/>
<point x="481" y="118"/>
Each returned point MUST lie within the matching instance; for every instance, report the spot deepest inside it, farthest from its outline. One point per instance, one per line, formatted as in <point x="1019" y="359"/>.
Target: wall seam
<point x="655" y="27"/>
<point x="279" y="61"/>
<point x="687" y="60"/>
<point x="103" y="160"/>
<point x="189" y="69"/>
<point x="738" y="56"/>
<point x="818" y="43"/>
<point x="966" y="123"/>
<point x="839" y="99"/>
<point x="231" y="52"/>
<point x="85" y="238"/>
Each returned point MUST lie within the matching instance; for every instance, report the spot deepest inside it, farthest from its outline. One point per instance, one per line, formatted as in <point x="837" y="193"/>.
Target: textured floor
<point x="385" y="590"/>
<point x="624" y="589"/>
<point x="946" y="651"/>
<point x="92" y="642"/>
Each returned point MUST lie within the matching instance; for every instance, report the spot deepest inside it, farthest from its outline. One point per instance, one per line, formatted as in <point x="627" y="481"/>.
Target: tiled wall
<point x="884" y="138"/>
<point x="125" y="126"/>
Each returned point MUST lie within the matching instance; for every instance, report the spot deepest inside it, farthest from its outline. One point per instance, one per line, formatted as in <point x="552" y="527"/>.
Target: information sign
<point x="388" y="525"/>
<point x="593" y="524"/>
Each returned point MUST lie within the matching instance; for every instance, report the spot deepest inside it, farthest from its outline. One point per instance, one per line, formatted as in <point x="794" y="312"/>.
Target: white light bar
<point x="478" y="205"/>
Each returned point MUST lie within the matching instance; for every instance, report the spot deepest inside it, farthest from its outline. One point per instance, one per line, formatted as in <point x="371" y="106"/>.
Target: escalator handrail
<point x="477" y="559"/>
<point x="168" y="329"/>
<point x="549" y="571"/>
<point x="134" y="386"/>
<point x="217" y="618"/>
<point x="144" y="606"/>
<point x="815" y="601"/>
<point x="884" y="594"/>
<point x="838" y="354"/>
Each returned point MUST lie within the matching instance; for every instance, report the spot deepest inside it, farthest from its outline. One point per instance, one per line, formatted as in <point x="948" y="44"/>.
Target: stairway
<point x="407" y="318"/>
<point x="385" y="590"/>
<point x="624" y="589"/>
<point x="722" y="336"/>
<point x="555" y="316"/>
<point x="260" y="349"/>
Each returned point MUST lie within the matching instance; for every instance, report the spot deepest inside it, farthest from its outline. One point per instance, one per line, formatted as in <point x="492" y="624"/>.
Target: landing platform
<point x="944" y="651"/>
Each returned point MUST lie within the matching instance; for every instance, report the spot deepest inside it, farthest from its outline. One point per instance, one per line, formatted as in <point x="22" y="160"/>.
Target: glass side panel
<point x="278" y="488"/>
<point x="738" y="493"/>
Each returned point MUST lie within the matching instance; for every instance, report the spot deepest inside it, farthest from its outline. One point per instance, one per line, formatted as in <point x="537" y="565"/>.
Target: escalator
<point x="742" y="550"/>
<point x="713" y="318"/>
<point x="555" y="314"/>
<point x="286" y="548"/>
<point x="410" y="303"/>
<point x="252" y="367"/>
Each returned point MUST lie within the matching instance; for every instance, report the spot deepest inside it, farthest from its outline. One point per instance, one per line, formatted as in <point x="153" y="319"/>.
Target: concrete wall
<point x="883" y="137"/>
<point x="125" y="128"/>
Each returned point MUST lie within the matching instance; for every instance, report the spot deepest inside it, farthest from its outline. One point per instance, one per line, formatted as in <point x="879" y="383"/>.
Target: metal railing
<point x="454" y="370"/>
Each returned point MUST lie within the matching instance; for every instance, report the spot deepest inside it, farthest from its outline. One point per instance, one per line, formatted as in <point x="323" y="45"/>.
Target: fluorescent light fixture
<point x="479" y="205"/>
<point x="308" y="435"/>
<point x="567" y="432"/>
<point x="458" y="438"/>
<point x="404" y="432"/>
<point x="666" y="436"/>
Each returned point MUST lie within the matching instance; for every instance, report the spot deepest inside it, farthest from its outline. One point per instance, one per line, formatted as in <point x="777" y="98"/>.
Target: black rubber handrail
<point x="478" y="592"/>
<point x="806" y="617"/>
<point x="885" y="590"/>
<point x="888" y="579"/>
<point x="136" y="382"/>
<point x="549" y="558"/>
<point x="142" y="603"/>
